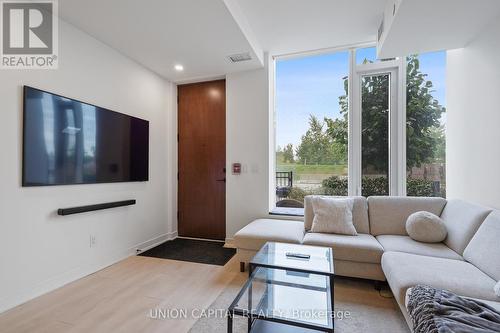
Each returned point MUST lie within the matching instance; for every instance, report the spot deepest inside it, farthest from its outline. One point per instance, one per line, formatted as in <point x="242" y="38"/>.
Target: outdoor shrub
<point x="297" y="194"/>
<point x="379" y="186"/>
<point x="375" y="186"/>
<point x="419" y="188"/>
<point x="335" y="186"/>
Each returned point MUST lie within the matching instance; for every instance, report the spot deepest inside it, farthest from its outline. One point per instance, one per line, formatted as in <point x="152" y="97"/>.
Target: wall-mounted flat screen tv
<point x="66" y="141"/>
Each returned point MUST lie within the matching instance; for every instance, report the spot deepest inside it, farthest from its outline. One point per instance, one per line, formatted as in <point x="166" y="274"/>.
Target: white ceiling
<point x="200" y="34"/>
<point x="419" y="26"/>
<point x="288" y="26"/>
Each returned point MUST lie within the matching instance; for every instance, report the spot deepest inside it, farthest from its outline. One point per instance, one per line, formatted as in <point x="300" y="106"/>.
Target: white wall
<point x="473" y="118"/>
<point x="250" y="141"/>
<point x="247" y="138"/>
<point x="42" y="251"/>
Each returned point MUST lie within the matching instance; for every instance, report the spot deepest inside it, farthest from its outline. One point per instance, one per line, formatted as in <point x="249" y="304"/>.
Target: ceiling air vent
<point x="240" y="57"/>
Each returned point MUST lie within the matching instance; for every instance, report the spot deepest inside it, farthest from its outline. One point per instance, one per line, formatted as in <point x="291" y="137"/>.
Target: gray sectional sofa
<point x="466" y="263"/>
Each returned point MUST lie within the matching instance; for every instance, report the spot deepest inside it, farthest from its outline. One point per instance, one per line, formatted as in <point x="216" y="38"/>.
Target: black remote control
<point x="298" y="255"/>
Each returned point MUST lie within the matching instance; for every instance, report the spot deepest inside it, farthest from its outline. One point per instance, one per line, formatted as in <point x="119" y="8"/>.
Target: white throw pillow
<point x="426" y="227"/>
<point x="333" y="215"/>
<point x="497" y="289"/>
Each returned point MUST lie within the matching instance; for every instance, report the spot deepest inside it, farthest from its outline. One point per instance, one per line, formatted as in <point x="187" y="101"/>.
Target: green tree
<point x="337" y="129"/>
<point x="374" y="92"/>
<point x="314" y="145"/>
<point x="424" y="133"/>
<point x="375" y="123"/>
<point x="318" y="147"/>
<point x="438" y="133"/>
<point x="279" y="155"/>
<point x="288" y="154"/>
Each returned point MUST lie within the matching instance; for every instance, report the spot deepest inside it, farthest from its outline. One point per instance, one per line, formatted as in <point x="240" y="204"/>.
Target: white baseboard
<point x="229" y="243"/>
<point x="19" y="297"/>
<point x="202" y="239"/>
<point x="144" y="246"/>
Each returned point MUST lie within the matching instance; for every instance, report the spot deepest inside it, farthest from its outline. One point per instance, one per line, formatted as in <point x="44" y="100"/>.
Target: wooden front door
<point x="202" y="160"/>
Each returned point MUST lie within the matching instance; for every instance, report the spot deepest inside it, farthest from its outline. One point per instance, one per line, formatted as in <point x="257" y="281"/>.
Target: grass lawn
<point x="300" y="169"/>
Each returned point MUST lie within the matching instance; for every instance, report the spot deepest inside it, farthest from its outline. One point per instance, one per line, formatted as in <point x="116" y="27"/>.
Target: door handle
<point x="222" y="180"/>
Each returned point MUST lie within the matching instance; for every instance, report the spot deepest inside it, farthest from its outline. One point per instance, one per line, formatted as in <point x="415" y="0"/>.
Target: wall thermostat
<point x="236" y="168"/>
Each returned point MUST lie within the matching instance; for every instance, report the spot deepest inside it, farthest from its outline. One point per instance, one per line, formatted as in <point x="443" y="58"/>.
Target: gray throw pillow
<point x="497" y="289"/>
<point x="426" y="227"/>
<point x="333" y="215"/>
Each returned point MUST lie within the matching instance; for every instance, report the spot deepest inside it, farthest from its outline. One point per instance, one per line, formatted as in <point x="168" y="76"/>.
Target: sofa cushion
<point x="359" y="214"/>
<point x="362" y="270"/>
<point x="333" y="215"/>
<point x="257" y="233"/>
<point x="483" y="250"/>
<point x="425" y="227"/>
<point x="360" y="248"/>
<point x="405" y="244"/>
<point x="462" y="219"/>
<point x="405" y="270"/>
<point x="388" y="215"/>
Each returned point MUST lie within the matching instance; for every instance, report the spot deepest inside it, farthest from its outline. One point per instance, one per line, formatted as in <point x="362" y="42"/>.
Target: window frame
<point x="397" y="139"/>
<point x="397" y="126"/>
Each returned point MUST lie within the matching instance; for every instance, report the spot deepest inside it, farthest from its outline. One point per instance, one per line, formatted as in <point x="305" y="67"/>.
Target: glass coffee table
<point x="290" y="289"/>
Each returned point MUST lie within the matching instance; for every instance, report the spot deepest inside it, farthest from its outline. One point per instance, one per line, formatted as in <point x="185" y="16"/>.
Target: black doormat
<point x="199" y="251"/>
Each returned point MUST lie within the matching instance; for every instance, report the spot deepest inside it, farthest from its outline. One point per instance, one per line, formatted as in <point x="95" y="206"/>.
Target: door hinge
<point x="178" y="215"/>
<point x="177" y="137"/>
<point x="177" y="176"/>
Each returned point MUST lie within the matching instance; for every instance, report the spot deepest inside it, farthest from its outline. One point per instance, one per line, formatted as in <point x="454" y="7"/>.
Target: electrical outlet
<point x="92" y="241"/>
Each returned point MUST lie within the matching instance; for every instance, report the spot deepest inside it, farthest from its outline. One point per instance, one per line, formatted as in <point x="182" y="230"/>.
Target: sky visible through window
<point x="305" y="86"/>
<point x="312" y="85"/>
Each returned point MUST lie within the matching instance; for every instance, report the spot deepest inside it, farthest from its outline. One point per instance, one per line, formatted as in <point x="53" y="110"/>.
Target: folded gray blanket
<point x="440" y="311"/>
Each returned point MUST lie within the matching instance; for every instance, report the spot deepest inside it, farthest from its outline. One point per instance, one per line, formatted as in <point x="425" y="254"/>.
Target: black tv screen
<point x="70" y="142"/>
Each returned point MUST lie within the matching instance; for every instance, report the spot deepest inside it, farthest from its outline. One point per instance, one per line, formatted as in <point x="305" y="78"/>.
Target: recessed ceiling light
<point x="179" y="68"/>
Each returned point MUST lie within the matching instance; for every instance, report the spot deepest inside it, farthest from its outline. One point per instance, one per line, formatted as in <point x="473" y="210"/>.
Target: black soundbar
<point x="90" y="208"/>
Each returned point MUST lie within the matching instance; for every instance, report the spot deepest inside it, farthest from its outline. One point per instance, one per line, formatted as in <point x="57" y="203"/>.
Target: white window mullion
<point x="394" y="139"/>
<point x="354" y="140"/>
<point x="402" y="126"/>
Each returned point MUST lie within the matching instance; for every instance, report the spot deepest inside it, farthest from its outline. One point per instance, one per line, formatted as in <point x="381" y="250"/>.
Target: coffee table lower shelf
<point x="264" y="326"/>
<point x="280" y="287"/>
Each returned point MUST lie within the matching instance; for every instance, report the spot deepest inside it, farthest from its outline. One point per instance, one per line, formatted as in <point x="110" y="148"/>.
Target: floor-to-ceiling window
<point x="311" y="127"/>
<point x="376" y="146"/>
<point x="425" y="124"/>
<point x="375" y="97"/>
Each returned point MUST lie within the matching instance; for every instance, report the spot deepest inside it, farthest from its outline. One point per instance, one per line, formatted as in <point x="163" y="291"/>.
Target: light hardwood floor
<point x="119" y="298"/>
